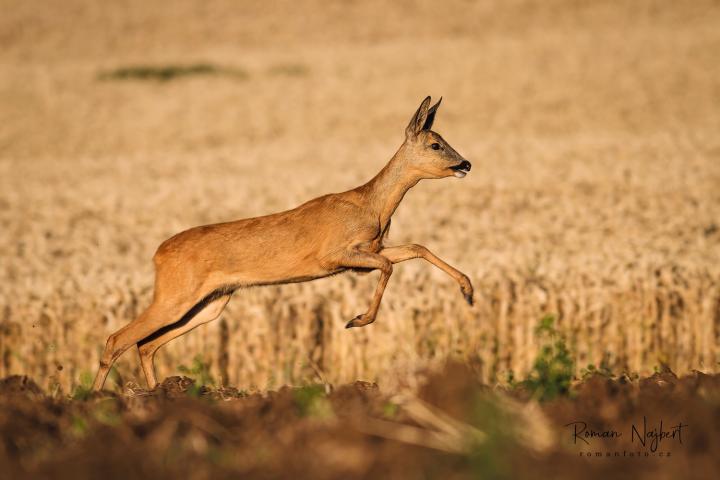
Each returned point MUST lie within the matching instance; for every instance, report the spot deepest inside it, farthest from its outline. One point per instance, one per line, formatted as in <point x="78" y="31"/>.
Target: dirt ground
<point x="592" y="128"/>
<point x="356" y="431"/>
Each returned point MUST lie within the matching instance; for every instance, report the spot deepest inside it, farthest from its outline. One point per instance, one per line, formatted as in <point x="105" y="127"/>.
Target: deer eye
<point x="435" y="146"/>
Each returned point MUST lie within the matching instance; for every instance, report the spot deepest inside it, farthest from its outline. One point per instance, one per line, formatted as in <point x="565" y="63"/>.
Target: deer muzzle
<point x="462" y="168"/>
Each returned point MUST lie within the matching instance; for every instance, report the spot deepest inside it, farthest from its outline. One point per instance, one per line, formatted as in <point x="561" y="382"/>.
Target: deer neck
<point x="387" y="189"/>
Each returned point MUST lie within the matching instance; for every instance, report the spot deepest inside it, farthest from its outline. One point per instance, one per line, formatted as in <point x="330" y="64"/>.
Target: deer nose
<point x="465" y="165"/>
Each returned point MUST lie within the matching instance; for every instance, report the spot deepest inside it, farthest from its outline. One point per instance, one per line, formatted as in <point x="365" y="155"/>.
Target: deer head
<point x="426" y="153"/>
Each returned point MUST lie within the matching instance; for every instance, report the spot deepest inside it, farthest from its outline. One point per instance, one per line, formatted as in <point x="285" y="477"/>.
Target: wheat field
<point x="593" y="128"/>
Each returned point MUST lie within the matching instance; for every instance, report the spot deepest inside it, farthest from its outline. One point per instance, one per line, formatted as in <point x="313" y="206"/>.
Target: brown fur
<point x="198" y="270"/>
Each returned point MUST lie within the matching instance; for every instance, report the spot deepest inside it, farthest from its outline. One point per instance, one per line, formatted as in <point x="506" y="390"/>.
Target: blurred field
<point x="593" y="128"/>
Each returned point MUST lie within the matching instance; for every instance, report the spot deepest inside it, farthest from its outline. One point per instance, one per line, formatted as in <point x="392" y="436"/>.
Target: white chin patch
<point x="460" y="173"/>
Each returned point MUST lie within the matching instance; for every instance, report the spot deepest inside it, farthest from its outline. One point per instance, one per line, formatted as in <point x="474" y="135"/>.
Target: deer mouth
<point x="461" y="169"/>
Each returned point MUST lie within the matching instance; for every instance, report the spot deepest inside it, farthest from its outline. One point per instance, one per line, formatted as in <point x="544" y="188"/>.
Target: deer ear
<point x="418" y="120"/>
<point x="431" y="116"/>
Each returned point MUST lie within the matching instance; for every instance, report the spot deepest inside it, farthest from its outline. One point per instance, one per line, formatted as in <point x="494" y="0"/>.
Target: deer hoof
<point x="468" y="294"/>
<point x="468" y="298"/>
<point x="467" y="290"/>
<point x="359" y="321"/>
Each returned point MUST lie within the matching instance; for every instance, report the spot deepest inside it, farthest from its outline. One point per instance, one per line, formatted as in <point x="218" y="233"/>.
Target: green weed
<point x="390" y="410"/>
<point x="289" y="70"/>
<point x="199" y="371"/>
<point x="84" y="389"/>
<point x="488" y="456"/>
<point x="311" y="401"/>
<point x="603" y="369"/>
<point x="553" y="369"/>
<point x="169" y="72"/>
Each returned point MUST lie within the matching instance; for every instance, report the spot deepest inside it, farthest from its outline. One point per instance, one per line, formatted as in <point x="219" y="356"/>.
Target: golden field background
<point x="593" y="128"/>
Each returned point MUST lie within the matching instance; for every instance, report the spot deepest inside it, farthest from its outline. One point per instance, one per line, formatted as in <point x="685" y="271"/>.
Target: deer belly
<point x="272" y="267"/>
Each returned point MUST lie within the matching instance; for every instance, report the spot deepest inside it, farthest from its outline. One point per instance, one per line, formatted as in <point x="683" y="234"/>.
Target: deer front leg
<point x="408" y="252"/>
<point x="366" y="260"/>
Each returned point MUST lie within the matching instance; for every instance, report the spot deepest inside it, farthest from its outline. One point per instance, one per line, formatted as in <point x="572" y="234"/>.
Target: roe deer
<point x="197" y="270"/>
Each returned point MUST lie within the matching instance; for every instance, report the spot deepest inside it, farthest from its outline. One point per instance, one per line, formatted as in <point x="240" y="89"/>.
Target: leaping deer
<point x="196" y="271"/>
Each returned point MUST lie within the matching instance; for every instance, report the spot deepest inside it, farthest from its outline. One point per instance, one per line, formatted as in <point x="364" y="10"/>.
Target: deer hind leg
<point x="161" y="312"/>
<point x="408" y="252"/>
<point x="367" y="261"/>
<point x="148" y="346"/>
